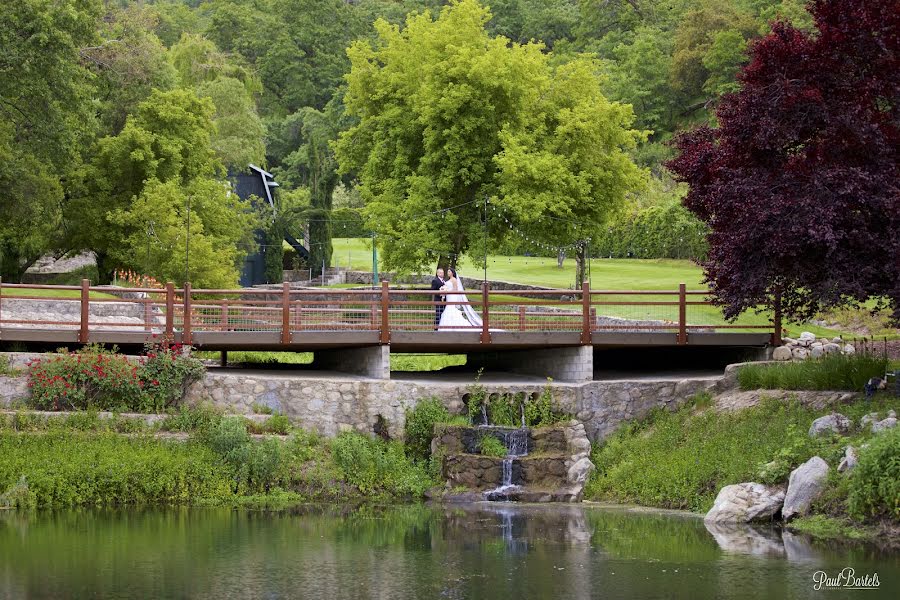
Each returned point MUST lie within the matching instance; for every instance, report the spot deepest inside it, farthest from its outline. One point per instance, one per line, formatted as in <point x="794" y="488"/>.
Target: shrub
<point x="542" y="412"/>
<point x="101" y="379"/>
<point x="192" y="419"/>
<point x="255" y="466"/>
<point x="376" y="467"/>
<point x="420" y="421"/>
<point x="875" y="482"/>
<point x="278" y="424"/>
<point x="831" y="372"/>
<point x="166" y="372"/>
<point x="262" y="409"/>
<point x="488" y="445"/>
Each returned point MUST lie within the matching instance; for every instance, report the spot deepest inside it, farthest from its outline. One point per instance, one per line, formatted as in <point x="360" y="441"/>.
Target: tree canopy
<point x="799" y="182"/>
<point x="449" y="116"/>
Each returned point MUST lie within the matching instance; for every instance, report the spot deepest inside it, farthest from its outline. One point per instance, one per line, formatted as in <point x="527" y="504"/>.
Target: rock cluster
<point x="808" y="346"/>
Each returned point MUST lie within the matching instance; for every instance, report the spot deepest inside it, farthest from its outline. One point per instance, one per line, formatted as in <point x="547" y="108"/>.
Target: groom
<point x="436" y="284"/>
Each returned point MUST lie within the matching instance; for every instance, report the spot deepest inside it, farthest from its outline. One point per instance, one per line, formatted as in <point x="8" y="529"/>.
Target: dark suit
<point x="436" y="284"/>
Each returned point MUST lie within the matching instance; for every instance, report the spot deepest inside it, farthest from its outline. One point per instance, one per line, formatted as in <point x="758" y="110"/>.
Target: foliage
<point x="277" y="424"/>
<point x="796" y="205"/>
<point x="376" y="467"/>
<point x="69" y="468"/>
<point x="661" y="231"/>
<point x="543" y="411"/>
<point x="875" y="482"/>
<point x="262" y="409"/>
<point x="348" y="223"/>
<point x="830" y="372"/>
<point x="94" y="378"/>
<point x="194" y="419"/>
<point x="489" y="445"/>
<point x="682" y="459"/>
<point x="419" y="429"/>
<point x="448" y="116"/>
<point x="6" y="369"/>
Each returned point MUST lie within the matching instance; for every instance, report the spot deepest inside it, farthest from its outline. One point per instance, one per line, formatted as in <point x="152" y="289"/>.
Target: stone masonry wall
<point x="331" y="402"/>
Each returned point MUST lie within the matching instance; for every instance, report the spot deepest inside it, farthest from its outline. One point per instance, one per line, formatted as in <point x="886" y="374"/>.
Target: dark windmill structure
<point x="260" y="183"/>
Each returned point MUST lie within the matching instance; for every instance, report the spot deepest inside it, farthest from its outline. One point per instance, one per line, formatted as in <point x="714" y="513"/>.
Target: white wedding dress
<point x="458" y="317"/>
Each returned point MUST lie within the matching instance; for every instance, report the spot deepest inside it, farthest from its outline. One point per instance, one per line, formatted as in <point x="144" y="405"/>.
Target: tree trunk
<point x="104" y="268"/>
<point x="580" y="265"/>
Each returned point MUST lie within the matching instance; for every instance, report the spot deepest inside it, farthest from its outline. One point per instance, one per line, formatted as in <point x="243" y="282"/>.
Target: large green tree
<point x="449" y="116"/>
<point x="45" y="116"/>
<point x="166" y="141"/>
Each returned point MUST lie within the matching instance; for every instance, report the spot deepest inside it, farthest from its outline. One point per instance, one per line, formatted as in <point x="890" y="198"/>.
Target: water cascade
<point x="541" y="464"/>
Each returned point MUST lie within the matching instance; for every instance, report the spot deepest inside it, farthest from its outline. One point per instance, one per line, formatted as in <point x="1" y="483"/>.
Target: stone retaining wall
<point x="69" y="312"/>
<point x="331" y="402"/>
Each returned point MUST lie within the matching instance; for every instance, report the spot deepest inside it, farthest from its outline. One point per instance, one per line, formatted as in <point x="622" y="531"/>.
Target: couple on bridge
<point x="453" y="311"/>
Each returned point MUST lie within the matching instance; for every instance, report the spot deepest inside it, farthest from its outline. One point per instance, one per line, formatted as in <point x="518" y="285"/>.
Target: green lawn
<point x="41" y="293"/>
<point x="606" y="274"/>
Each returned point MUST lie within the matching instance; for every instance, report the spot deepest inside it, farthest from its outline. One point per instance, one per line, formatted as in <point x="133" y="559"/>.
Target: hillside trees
<point x="799" y="182"/>
<point x="449" y="116"/>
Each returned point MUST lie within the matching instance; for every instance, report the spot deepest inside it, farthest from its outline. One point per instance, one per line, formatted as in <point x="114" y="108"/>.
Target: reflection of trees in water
<point x="416" y="551"/>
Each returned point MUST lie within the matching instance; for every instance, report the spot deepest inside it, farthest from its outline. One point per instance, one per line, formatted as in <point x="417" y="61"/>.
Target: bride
<point x="461" y="316"/>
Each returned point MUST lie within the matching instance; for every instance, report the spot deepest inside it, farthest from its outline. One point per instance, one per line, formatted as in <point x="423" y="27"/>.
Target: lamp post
<point x="187" y="246"/>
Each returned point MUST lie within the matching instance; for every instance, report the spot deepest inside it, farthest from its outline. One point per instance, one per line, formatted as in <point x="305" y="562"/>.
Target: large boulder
<point x="805" y="484"/>
<point x="834" y="422"/>
<point x="817" y="350"/>
<point x="781" y="353"/>
<point x="744" y="503"/>
<point x="884" y="424"/>
<point x="800" y="353"/>
<point x="807" y="337"/>
<point x="832" y="348"/>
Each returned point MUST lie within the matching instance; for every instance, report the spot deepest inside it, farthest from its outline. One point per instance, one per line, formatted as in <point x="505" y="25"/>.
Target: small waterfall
<point x="516" y="442"/>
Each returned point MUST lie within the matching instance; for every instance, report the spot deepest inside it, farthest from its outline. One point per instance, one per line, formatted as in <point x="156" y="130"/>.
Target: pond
<point x="485" y="550"/>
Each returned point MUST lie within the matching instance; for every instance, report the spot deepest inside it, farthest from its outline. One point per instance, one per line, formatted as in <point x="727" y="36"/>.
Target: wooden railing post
<point x="170" y="311"/>
<point x="682" y="314"/>
<point x="223" y="317"/>
<point x="586" y="313"/>
<point x="485" y="317"/>
<point x="186" y="337"/>
<point x="776" y="318"/>
<point x="85" y="310"/>
<point x="385" y="314"/>
<point x="286" y="313"/>
<point x="522" y="311"/>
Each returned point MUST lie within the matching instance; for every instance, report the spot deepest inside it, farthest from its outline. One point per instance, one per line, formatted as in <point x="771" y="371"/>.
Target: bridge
<point x="543" y="332"/>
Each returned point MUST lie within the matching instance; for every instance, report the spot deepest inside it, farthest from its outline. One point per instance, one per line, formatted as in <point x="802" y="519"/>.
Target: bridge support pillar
<point x="573" y="364"/>
<point x="371" y="361"/>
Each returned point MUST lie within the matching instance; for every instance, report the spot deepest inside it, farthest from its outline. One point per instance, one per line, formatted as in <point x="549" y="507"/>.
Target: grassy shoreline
<point x="681" y="460"/>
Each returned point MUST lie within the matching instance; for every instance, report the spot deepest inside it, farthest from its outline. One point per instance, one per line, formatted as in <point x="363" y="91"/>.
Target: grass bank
<point x="682" y="459"/>
<point x="830" y="372"/>
<point x="82" y="460"/>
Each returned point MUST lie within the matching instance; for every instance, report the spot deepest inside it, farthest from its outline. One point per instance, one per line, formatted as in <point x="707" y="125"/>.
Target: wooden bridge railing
<point x="384" y="310"/>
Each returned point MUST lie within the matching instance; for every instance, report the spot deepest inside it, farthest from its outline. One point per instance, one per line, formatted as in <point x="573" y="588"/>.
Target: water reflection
<point x="484" y="550"/>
